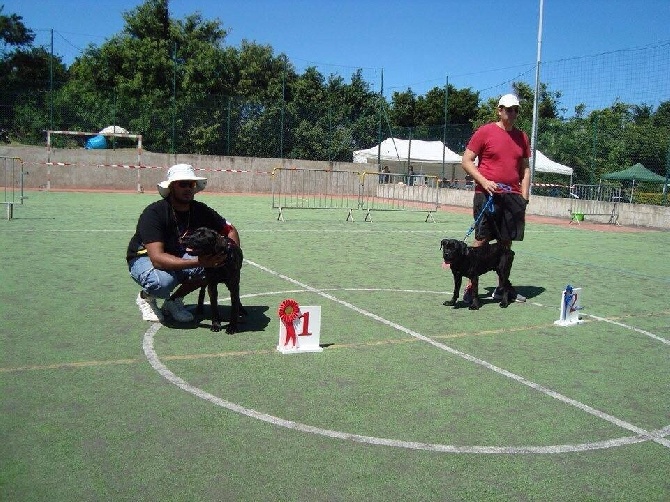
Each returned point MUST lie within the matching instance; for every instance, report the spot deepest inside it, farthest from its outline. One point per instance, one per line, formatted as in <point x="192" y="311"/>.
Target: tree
<point x="661" y="117"/>
<point x="157" y="77"/>
<point x="353" y="115"/>
<point x="150" y="20"/>
<point x="27" y="75"/>
<point x="403" y="109"/>
<point x="13" y="32"/>
<point x="462" y="106"/>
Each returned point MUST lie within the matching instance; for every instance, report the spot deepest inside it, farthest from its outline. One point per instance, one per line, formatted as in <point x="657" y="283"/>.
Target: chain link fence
<point x="594" y="132"/>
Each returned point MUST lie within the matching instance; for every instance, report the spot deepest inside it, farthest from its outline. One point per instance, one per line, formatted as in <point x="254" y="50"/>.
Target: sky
<point x="415" y="44"/>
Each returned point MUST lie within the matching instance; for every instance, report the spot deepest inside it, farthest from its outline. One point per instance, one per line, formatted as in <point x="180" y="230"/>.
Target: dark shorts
<point x="504" y="220"/>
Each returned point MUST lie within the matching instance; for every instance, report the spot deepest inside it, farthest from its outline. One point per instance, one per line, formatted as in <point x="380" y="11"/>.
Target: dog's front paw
<point x="231" y="329"/>
<point x="449" y="303"/>
<point x="216" y="326"/>
<point x="474" y="306"/>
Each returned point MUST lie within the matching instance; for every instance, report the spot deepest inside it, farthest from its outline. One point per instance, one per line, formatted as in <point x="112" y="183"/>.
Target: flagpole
<point x="536" y="100"/>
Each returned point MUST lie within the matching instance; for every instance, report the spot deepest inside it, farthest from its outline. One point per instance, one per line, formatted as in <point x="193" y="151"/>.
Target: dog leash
<point x="502" y="188"/>
<point x="488" y="206"/>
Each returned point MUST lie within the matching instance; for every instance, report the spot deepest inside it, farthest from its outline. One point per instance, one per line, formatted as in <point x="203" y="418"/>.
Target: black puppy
<point x="205" y="241"/>
<point x="471" y="262"/>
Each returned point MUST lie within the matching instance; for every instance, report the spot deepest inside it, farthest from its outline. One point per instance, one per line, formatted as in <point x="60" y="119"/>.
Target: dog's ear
<point x="447" y="244"/>
<point x="222" y="244"/>
<point x="462" y="247"/>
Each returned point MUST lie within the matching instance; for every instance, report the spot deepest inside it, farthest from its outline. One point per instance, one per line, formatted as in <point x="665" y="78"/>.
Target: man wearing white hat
<point x="156" y="259"/>
<point x="503" y="173"/>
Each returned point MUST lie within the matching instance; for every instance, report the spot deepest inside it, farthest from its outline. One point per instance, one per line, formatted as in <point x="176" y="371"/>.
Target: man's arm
<point x="231" y="232"/>
<point x="166" y="261"/>
<point x="525" y="179"/>
<point x="468" y="163"/>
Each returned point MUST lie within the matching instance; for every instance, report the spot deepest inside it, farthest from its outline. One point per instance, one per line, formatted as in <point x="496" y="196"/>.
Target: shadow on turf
<point x="255" y="320"/>
<point x="529" y="292"/>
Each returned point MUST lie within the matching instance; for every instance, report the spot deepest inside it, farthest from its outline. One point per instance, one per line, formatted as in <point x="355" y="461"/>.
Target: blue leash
<point x="502" y="188"/>
<point x="487" y="207"/>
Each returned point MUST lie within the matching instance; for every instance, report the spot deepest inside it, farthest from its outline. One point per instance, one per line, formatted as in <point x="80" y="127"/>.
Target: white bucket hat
<point x="508" y="100"/>
<point x="181" y="172"/>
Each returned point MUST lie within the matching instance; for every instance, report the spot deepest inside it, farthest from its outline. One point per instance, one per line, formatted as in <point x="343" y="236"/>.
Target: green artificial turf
<point x="86" y="415"/>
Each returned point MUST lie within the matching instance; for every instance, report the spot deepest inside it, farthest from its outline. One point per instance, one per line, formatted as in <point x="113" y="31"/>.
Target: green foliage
<point x="13" y="31"/>
<point x="408" y="110"/>
<point x="29" y="120"/>
<point x="25" y="71"/>
<point x="652" y="198"/>
<point x="403" y="109"/>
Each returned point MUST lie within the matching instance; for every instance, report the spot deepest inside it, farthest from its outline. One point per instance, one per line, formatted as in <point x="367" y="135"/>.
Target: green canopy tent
<point x="635" y="173"/>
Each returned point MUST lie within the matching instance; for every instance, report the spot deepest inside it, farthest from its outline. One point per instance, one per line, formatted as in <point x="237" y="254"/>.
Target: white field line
<point x="641" y="435"/>
<point x="637" y="330"/>
<point x="588" y="409"/>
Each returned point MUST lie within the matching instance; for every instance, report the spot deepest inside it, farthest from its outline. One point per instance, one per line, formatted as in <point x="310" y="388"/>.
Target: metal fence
<point x="12" y="182"/>
<point x="608" y="193"/>
<point x="353" y="191"/>
<point x="600" y="203"/>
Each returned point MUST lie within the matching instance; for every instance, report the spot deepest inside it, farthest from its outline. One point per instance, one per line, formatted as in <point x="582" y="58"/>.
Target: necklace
<point x="181" y="231"/>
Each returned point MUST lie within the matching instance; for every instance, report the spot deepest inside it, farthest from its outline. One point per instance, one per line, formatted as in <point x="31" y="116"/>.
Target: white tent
<point x="113" y="129"/>
<point x="544" y="164"/>
<point x="402" y="150"/>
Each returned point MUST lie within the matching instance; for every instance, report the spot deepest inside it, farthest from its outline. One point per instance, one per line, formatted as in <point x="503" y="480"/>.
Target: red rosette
<point x="289" y="310"/>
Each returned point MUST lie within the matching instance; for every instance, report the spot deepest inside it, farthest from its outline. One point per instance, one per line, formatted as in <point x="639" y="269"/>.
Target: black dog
<point x="205" y="241"/>
<point x="471" y="262"/>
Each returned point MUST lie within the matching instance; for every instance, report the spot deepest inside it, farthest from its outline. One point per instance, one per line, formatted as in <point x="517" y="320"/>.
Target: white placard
<point x="570" y="307"/>
<point x="307" y="329"/>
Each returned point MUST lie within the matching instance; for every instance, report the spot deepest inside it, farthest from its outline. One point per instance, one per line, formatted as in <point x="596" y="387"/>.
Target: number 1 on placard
<point x="305" y="325"/>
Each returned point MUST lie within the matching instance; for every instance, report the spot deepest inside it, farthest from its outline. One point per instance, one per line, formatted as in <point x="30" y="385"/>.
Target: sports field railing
<point x="12" y="180"/>
<point x="599" y="202"/>
<point x="295" y="188"/>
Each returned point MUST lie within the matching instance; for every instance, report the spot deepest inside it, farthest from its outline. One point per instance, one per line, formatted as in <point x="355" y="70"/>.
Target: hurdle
<point x="10" y="167"/>
<point x="600" y="201"/>
<point x="296" y="188"/>
<point x="604" y="212"/>
<point x="399" y="192"/>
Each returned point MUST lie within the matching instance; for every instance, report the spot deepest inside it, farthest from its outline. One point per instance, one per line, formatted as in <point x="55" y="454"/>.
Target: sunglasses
<point x="186" y="184"/>
<point x="514" y="109"/>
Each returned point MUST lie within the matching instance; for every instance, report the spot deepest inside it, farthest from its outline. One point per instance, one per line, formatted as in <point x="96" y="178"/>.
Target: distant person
<point x="410" y="176"/>
<point x="385" y="177"/>
<point x="156" y="258"/>
<point x="503" y="173"/>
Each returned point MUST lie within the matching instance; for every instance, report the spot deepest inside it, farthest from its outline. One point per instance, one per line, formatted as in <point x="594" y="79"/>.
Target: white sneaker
<point x="177" y="310"/>
<point x="149" y="309"/>
<point x="497" y="295"/>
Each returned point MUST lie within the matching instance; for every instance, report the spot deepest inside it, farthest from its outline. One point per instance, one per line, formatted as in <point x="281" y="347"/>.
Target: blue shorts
<point x="160" y="283"/>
